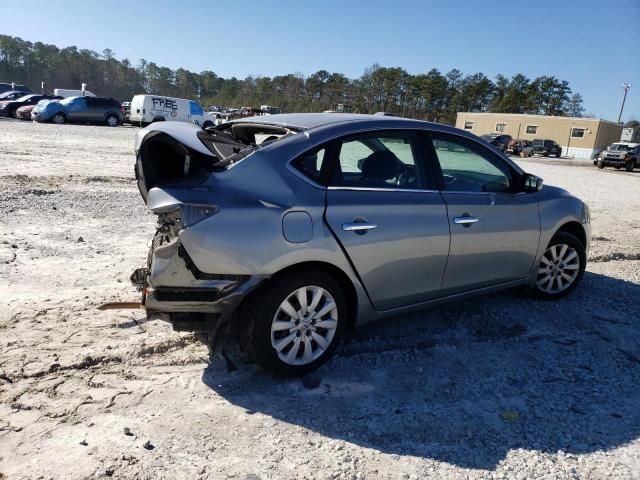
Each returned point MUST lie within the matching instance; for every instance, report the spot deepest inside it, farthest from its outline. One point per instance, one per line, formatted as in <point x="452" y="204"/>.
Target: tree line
<point x="434" y="95"/>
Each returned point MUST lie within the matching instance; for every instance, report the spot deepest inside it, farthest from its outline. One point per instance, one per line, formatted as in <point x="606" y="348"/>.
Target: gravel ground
<point x="496" y="387"/>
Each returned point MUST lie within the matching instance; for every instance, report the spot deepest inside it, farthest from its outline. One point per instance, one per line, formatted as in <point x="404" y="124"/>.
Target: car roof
<point x="308" y="121"/>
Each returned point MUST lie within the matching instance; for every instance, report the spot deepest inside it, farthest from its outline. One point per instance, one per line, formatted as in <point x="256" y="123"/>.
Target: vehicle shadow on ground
<point x="468" y="383"/>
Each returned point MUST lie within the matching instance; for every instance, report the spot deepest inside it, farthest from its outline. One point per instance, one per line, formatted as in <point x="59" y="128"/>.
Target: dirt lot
<point x="497" y="387"/>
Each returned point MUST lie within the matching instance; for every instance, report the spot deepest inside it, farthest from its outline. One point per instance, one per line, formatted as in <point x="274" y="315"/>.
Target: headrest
<point x="382" y="165"/>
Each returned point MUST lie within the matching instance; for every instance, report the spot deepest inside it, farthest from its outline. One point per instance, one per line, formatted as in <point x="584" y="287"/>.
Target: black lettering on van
<point x="160" y="103"/>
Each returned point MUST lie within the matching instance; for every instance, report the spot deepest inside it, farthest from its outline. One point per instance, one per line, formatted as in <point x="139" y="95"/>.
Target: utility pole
<point x="625" y="87"/>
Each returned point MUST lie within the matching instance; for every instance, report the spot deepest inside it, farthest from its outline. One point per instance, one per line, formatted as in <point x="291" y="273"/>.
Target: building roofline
<point x="581" y="119"/>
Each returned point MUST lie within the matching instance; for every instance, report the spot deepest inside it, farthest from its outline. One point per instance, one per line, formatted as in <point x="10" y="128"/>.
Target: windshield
<point x="620" y="147"/>
<point x="26" y="97"/>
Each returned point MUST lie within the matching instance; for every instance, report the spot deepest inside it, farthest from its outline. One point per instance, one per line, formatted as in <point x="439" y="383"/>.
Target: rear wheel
<point x="294" y="326"/>
<point x="207" y="124"/>
<point x="59" y="118"/>
<point x="557" y="154"/>
<point x="629" y="166"/>
<point x="561" y="267"/>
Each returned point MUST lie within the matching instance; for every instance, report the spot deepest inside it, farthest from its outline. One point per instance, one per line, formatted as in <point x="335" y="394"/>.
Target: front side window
<point x="532" y="129"/>
<point x="196" y="109"/>
<point x="577" y="132"/>
<point x="378" y="161"/>
<point x="77" y="104"/>
<point x="468" y="168"/>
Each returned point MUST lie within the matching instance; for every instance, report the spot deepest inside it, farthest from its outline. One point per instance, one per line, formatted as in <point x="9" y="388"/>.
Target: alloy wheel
<point x="112" y="121"/>
<point x="58" y="118"/>
<point x="304" y="325"/>
<point x="559" y="267"/>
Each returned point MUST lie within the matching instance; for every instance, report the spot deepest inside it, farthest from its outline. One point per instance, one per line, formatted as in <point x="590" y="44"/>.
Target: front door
<point x="77" y="110"/>
<point x="383" y="207"/>
<point x="495" y="228"/>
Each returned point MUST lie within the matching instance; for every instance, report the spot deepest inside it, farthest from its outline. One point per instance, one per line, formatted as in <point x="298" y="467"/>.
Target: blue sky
<point x="595" y="45"/>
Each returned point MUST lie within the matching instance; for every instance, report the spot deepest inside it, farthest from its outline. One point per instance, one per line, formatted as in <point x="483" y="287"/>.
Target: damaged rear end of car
<point x="180" y="174"/>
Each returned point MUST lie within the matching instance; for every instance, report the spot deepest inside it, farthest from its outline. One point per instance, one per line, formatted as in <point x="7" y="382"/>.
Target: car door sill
<point x="450" y="298"/>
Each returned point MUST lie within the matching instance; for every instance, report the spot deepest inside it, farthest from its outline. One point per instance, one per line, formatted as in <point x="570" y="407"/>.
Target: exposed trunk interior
<point x="162" y="160"/>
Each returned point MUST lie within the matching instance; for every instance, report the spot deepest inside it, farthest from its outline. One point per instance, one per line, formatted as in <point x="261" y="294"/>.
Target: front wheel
<point x="561" y="267"/>
<point x="600" y="164"/>
<point x="294" y="326"/>
<point x="629" y="166"/>
<point x="59" y="118"/>
<point x="111" y="121"/>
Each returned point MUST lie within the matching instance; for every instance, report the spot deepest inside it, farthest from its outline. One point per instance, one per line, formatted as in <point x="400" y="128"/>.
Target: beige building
<point x="579" y="137"/>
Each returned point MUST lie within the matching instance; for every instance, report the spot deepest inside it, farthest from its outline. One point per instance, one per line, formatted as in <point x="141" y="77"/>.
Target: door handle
<point x="465" y="220"/>
<point x="358" y="227"/>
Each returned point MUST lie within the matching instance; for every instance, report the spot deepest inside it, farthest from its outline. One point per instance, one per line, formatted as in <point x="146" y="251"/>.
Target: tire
<point x="558" y="155"/>
<point x="157" y="119"/>
<point x="545" y="154"/>
<point x="629" y="166"/>
<point x="112" y="120"/>
<point x="561" y="267"/>
<point x="207" y="124"/>
<point x="263" y="310"/>
<point x="600" y="164"/>
<point x="59" y="118"/>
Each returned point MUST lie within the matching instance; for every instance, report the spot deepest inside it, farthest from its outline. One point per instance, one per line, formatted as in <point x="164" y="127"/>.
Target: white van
<point x="146" y="109"/>
<point x="66" y="93"/>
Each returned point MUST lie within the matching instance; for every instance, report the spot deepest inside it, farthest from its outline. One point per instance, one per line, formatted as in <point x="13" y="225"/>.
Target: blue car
<point x="106" y="111"/>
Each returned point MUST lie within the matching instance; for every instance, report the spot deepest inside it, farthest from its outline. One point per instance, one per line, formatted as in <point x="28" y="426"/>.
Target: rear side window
<point x="310" y="164"/>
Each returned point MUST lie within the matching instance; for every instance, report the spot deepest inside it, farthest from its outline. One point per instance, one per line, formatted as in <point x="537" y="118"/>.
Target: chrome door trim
<point x="358" y="226"/>
<point x="383" y="189"/>
<point x="465" y="220"/>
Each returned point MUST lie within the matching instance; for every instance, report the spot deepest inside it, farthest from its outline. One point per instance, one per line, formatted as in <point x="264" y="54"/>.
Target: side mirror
<point x="532" y="183"/>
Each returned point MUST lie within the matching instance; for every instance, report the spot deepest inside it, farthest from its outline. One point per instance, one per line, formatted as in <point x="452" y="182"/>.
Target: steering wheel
<point x="406" y="176"/>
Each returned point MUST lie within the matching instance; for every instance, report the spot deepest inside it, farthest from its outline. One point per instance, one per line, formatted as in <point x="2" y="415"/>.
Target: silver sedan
<point x="288" y="230"/>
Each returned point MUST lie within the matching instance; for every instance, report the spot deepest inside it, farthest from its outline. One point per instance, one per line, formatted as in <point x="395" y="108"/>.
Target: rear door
<point x="495" y="228"/>
<point x="385" y="210"/>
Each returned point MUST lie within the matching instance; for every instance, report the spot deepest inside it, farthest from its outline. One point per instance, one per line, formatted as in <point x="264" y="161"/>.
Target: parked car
<point x="80" y="110"/>
<point x="355" y="218"/>
<point x="621" y="154"/>
<point x="6" y="87"/>
<point x="126" y="111"/>
<point x="596" y="154"/>
<point x="498" y="140"/>
<point x="523" y="148"/>
<point x="8" y="108"/>
<point x="146" y="109"/>
<point x="24" y="113"/>
<point x="12" y="95"/>
<point x="546" y="148"/>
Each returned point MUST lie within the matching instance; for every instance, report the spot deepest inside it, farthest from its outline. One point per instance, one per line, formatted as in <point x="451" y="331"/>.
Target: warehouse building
<point x="579" y="137"/>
